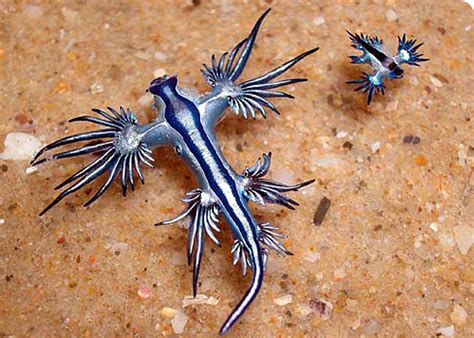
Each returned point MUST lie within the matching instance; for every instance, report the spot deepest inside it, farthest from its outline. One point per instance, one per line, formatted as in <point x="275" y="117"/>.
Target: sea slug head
<point x="159" y="84"/>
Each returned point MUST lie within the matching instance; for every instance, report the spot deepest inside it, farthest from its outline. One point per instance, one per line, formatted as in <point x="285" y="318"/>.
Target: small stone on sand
<point x="391" y="15"/>
<point x="179" y="322"/>
<point x="144" y="292"/>
<point x="459" y="315"/>
<point x="447" y="331"/>
<point x="283" y="300"/>
<point x="20" y="146"/>
<point x="168" y="312"/>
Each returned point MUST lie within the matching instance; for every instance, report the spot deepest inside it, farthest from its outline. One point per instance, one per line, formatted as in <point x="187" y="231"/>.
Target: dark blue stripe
<point x="196" y="151"/>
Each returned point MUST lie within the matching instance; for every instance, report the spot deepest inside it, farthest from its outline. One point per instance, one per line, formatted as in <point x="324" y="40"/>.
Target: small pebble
<point x="462" y="155"/>
<point x="321" y="307"/>
<point x="319" y="20"/>
<point x="2" y="53"/>
<point x="459" y="315"/>
<point x="447" y="331"/>
<point x="96" y="88"/>
<point x="168" y="312"/>
<point x="375" y="147"/>
<point x="341" y="134"/>
<point x="356" y="324"/>
<point x="321" y="211"/>
<point x="144" y="292"/>
<point x="283" y="300"/>
<point x="2" y="220"/>
<point x="391" y="15"/>
<point x="347" y="145"/>
<point x="410" y="139"/>
<point x="61" y="87"/>
<point x="199" y="299"/>
<point x="30" y="170"/>
<point x="434" y="227"/>
<point x="436" y="82"/>
<point x="420" y="160"/>
<point x="20" y="146"/>
<point x="179" y="322"/>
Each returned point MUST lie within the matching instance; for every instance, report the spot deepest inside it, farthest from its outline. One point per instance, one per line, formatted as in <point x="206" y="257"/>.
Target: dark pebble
<point x="347" y="145"/>
<point x="410" y="139"/>
<point x="320" y="213"/>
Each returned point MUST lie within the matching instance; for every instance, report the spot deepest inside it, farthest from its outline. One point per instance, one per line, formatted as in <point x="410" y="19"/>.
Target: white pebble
<point x="436" y="82"/>
<point x="462" y="155"/>
<point x="179" y="322"/>
<point x="20" y="146"/>
<point x="434" y="227"/>
<point x="30" y="170"/>
<point x="199" y="299"/>
<point x="2" y="220"/>
<point x="319" y="20"/>
<point x="391" y="15"/>
<point x="283" y="300"/>
<point x="375" y="147"/>
<point x="341" y="134"/>
<point x="96" y="88"/>
<point x="447" y="331"/>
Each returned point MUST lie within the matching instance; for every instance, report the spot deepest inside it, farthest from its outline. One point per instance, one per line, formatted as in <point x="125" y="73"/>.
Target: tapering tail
<point x="257" y="263"/>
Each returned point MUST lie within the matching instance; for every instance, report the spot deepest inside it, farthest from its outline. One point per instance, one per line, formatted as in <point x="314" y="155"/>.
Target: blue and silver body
<point x="187" y="123"/>
<point x="382" y="64"/>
